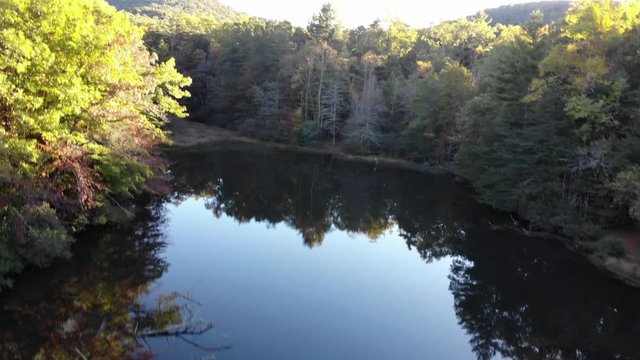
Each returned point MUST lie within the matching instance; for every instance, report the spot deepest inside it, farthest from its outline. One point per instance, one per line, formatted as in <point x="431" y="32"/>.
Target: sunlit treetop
<point x="588" y="20"/>
<point x="82" y="102"/>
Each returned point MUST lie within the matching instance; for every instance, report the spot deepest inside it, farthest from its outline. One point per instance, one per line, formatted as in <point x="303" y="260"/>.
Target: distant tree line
<point x="543" y="119"/>
<point x="166" y="7"/>
<point x="518" y="14"/>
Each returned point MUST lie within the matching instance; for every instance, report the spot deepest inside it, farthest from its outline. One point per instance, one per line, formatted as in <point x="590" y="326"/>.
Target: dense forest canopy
<point x="541" y="117"/>
<point x="82" y="102"/>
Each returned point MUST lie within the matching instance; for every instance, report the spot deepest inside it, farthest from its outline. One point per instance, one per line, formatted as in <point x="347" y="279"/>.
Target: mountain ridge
<point x="156" y="7"/>
<point x="512" y="14"/>
<point x="516" y="14"/>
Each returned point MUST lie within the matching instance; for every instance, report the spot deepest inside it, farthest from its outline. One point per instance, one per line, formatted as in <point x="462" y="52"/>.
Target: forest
<point x="540" y="116"/>
<point x="82" y="102"/>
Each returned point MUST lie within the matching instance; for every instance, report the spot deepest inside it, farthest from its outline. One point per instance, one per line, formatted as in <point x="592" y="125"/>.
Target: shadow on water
<point x="516" y="297"/>
<point x="90" y="307"/>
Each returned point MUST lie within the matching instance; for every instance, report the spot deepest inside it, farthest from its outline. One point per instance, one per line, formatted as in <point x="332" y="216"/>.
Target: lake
<point x="265" y="254"/>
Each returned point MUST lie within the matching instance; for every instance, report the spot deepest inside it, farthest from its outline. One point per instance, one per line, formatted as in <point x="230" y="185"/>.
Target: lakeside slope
<point x="185" y="133"/>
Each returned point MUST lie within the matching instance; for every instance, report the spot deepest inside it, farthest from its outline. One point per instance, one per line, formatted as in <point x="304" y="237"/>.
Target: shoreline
<point x="186" y="134"/>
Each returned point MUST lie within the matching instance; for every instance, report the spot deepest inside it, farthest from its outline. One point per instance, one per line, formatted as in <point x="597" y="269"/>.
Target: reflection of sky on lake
<point x="440" y="282"/>
<point x="277" y="299"/>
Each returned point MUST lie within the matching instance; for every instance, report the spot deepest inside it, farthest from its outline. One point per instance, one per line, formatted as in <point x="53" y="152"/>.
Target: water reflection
<point x="537" y="302"/>
<point x="315" y="194"/>
<point x="516" y="297"/>
<point x="90" y="308"/>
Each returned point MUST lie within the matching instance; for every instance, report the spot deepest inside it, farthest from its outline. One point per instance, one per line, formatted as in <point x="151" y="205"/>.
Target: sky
<point x="353" y="13"/>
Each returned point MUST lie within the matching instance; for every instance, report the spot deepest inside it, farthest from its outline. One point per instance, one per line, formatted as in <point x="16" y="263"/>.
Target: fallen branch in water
<point x="202" y="347"/>
<point x="182" y="331"/>
<point x="194" y="329"/>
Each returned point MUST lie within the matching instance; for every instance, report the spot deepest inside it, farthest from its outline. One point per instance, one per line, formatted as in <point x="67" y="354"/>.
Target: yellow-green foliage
<point x="595" y="21"/>
<point x="401" y="39"/>
<point x="541" y="117"/>
<point x="563" y="152"/>
<point x="81" y="104"/>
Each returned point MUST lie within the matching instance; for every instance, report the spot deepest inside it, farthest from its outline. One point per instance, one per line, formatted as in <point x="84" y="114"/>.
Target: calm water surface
<point x="298" y="256"/>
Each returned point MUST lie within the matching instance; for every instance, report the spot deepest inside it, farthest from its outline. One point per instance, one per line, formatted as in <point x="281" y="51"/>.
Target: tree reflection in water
<point x="89" y="308"/>
<point x="517" y="297"/>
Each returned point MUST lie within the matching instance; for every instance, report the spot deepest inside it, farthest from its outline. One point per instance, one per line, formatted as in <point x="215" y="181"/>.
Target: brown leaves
<point x="70" y="180"/>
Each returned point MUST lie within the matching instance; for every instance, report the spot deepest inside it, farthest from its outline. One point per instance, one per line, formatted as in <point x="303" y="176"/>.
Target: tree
<point x="317" y="74"/>
<point x="597" y="99"/>
<point x="434" y="131"/>
<point x="335" y="102"/>
<point x="82" y="104"/>
<point x="400" y="39"/>
<point x="512" y="149"/>
<point x="363" y="127"/>
<point x="553" y="130"/>
<point x="270" y="101"/>
<point x="537" y="115"/>
<point x="367" y="39"/>
<point x="323" y="25"/>
<point x="463" y="40"/>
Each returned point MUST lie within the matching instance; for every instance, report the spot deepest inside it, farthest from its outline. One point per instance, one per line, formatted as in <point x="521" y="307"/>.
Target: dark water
<point x="296" y="256"/>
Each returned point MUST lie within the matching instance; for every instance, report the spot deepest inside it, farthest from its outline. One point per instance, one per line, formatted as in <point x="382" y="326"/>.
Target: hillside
<point x="519" y="13"/>
<point x="153" y="7"/>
